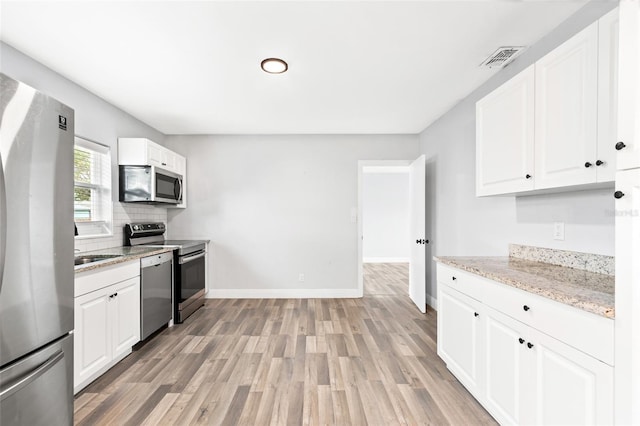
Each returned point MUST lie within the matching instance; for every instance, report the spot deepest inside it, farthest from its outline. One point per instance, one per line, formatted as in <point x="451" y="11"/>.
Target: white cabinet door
<point x="125" y="318"/>
<point x="505" y="137"/>
<point x="608" y="29"/>
<point x="506" y="368"/>
<point x="92" y="335"/>
<point x="627" y="295"/>
<point x="460" y="336"/>
<point x="571" y="388"/>
<point x="629" y="88"/>
<point x="154" y="154"/>
<point x="566" y="112"/>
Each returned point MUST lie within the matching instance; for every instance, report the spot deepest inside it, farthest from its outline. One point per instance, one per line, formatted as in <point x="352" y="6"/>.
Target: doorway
<point x="391" y="225"/>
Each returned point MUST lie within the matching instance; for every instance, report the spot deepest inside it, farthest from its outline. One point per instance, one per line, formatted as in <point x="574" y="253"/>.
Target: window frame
<point x="101" y="204"/>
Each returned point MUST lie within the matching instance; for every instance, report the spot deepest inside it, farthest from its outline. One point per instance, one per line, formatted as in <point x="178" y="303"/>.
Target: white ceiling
<point x="354" y="66"/>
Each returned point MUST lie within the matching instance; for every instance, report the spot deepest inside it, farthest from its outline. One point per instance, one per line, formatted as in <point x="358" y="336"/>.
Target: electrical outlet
<point x="558" y="231"/>
<point x="301" y="278"/>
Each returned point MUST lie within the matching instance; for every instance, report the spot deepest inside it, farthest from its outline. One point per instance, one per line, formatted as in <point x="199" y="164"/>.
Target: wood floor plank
<point x="290" y="362"/>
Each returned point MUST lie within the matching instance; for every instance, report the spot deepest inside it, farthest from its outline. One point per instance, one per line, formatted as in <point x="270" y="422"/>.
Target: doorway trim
<point x="377" y="166"/>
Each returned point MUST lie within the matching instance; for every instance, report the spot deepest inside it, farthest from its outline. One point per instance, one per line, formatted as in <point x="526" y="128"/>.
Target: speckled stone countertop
<point x="124" y="253"/>
<point x="585" y="290"/>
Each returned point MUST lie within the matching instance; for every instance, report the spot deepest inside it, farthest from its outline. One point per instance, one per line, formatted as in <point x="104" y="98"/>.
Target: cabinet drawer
<point x="583" y="330"/>
<point x="465" y="282"/>
<point x="86" y="282"/>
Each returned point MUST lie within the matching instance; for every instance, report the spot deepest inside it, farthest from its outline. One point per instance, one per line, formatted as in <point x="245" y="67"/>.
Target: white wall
<point x="460" y="224"/>
<point x="385" y="217"/>
<point x="278" y="206"/>
<point x="96" y="120"/>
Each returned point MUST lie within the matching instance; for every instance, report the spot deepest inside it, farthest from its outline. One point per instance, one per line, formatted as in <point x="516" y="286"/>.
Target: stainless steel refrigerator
<point x="36" y="257"/>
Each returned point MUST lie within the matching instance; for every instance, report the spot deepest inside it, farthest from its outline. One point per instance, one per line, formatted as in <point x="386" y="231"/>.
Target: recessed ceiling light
<point x="274" y="66"/>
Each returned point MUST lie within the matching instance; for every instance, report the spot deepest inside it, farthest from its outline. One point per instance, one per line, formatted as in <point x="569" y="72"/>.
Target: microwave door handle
<point x="179" y="181"/>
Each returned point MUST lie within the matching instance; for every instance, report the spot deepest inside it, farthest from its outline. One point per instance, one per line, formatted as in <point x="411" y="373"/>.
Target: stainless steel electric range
<point x="189" y="265"/>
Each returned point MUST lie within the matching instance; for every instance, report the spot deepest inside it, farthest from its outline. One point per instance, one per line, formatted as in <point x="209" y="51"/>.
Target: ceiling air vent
<point x="502" y="56"/>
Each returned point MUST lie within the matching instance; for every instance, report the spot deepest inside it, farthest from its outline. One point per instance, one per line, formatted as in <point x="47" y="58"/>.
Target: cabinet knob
<point x="453" y="278"/>
<point x="521" y="340"/>
<point x="599" y="163"/>
<point x="529" y="345"/>
<point x="620" y="145"/>
<point x="475" y="314"/>
<point x="526" y="308"/>
<point x="528" y="176"/>
<point x="618" y="194"/>
<point x="587" y="164"/>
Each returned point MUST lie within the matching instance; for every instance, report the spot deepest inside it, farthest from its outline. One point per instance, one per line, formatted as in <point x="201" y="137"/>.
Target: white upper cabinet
<point x="553" y="125"/>
<point x="144" y="152"/>
<point x="628" y="149"/>
<point x="566" y="112"/>
<point x="608" y="30"/>
<point x="504" y="137"/>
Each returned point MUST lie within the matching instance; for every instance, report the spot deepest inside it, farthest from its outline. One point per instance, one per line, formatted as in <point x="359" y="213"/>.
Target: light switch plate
<point x="558" y="231"/>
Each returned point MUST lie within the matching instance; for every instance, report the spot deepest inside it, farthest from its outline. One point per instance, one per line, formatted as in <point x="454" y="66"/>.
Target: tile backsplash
<point x="122" y="214"/>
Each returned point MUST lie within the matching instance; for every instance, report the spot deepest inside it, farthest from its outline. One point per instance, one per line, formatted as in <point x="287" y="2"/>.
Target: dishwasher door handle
<point x="187" y="259"/>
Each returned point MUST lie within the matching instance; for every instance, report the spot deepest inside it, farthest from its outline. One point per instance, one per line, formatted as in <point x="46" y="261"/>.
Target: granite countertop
<point x="125" y="254"/>
<point x="589" y="291"/>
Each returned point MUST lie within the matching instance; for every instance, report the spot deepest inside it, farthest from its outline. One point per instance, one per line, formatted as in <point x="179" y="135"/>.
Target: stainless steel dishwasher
<point x="156" y="288"/>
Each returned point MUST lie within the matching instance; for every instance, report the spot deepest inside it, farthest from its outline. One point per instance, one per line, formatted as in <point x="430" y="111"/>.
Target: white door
<point x="126" y="315"/>
<point x="417" y="211"/>
<point x="566" y="107"/>
<point x="629" y="86"/>
<point x="92" y="340"/>
<point x="506" y="368"/>
<point x="608" y="29"/>
<point x="460" y="336"/>
<point x="571" y="388"/>
<point x="504" y="137"/>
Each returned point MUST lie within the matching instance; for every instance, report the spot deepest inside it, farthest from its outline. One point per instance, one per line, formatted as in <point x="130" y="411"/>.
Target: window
<point x="92" y="208"/>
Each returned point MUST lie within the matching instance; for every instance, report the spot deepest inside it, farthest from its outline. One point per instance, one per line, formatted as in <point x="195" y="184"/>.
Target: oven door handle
<point x="187" y="259"/>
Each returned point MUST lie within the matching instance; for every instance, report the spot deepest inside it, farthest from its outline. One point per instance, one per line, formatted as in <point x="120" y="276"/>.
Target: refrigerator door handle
<point x="3" y="221"/>
<point x="39" y="371"/>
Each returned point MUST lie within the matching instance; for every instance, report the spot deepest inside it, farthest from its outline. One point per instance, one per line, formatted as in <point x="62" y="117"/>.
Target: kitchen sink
<point x="90" y="258"/>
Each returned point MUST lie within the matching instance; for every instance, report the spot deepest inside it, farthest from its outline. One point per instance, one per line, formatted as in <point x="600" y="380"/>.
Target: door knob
<point x="618" y="194"/>
<point x="529" y="345"/>
<point x="587" y="164"/>
<point x="620" y="145"/>
<point x="521" y="340"/>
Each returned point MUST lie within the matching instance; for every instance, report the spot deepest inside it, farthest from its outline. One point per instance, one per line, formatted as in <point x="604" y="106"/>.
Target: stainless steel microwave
<point x="149" y="184"/>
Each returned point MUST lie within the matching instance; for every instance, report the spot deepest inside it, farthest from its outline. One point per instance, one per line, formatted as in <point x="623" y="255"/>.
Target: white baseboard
<point x="385" y="260"/>
<point x="432" y="302"/>
<point x="283" y="293"/>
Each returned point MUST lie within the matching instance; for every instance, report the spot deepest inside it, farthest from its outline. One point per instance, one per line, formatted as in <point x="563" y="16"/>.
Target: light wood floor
<point x="309" y="361"/>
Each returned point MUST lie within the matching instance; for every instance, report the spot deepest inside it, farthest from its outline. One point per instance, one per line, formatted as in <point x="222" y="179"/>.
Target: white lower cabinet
<point x="518" y="373"/>
<point x="459" y="336"/>
<point x="107" y="320"/>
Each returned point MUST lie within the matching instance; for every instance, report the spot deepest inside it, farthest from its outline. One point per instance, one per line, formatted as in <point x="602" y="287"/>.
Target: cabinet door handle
<point x="618" y="194"/>
<point x="587" y="164"/>
<point x="526" y="308"/>
<point x="453" y="278"/>
<point x="527" y="176"/>
<point x="475" y="314"/>
<point x="521" y="340"/>
<point x="599" y="163"/>
<point x="529" y="345"/>
<point x="620" y="145"/>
